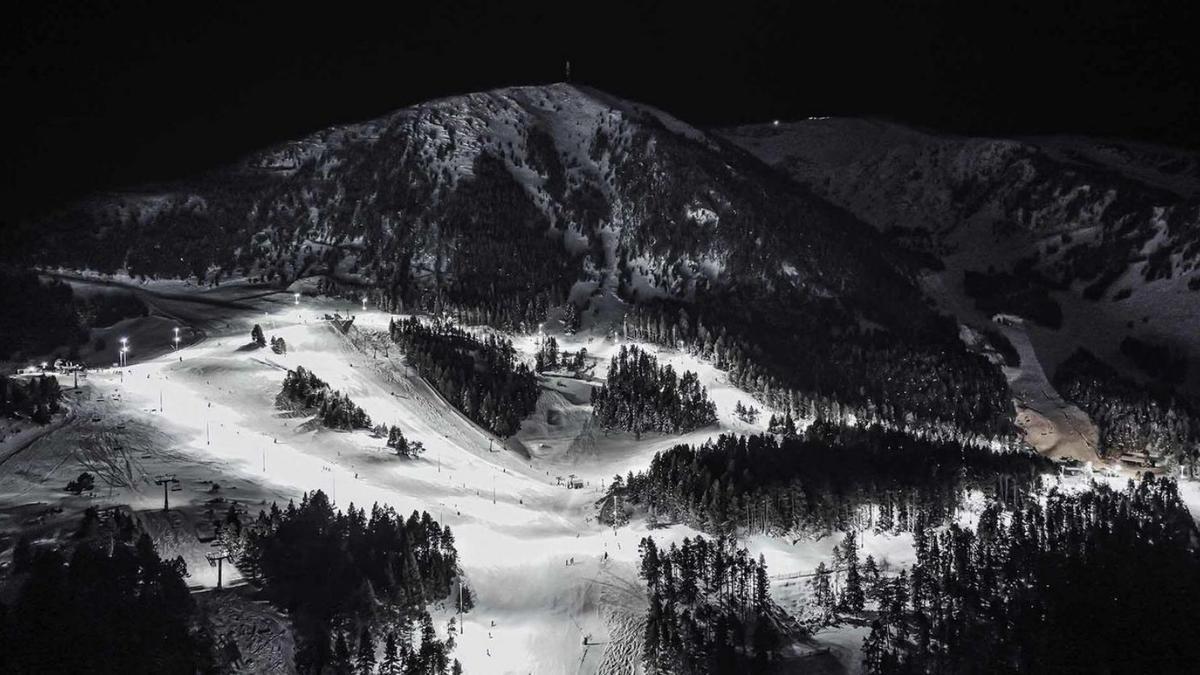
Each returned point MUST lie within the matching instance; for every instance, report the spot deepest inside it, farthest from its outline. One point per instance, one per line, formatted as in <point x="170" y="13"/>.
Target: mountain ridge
<point x="1079" y="222"/>
<point x="524" y="205"/>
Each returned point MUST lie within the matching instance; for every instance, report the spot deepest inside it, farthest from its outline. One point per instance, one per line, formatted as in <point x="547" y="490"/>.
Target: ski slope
<point x="530" y="548"/>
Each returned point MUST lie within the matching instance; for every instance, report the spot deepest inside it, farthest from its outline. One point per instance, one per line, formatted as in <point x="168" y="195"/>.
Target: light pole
<point x="124" y="348"/>
<point x="176" y="338"/>
<point x="364" y="303"/>
<point x="297" y="297"/>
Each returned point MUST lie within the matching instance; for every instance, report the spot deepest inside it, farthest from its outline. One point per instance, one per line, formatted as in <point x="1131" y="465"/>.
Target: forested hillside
<point x="639" y="395"/>
<point x="102" y="604"/>
<point x="710" y="609"/>
<point x="520" y="205"/>
<point x="830" y="479"/>
<point x="1132" y="418"/>
<point x="481" y="377"/>
<point x="352" y="580"/>
<point x="1074" y="586"/>
<point x="37" y="398"/>
<point x="813" y="362"/>
<point x="1096" y="238"/>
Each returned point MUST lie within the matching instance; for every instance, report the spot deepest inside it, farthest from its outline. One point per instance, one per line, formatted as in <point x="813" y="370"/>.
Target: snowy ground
<point x="1054" y="427"/>
<point x="1050" y="424"/>
<point x="531" y="549"/>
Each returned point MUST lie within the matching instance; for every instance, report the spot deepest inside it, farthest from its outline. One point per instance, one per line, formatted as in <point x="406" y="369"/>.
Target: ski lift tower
<point x="217" y="559"/>
<point x="167" y="481"/>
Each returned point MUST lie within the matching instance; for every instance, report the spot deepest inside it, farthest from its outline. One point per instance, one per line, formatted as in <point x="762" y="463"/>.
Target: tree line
<point x="39" y="316"/>
<point x="794" y="360"/>
<point x="1099" y="580"/>
<point x="639" y="395"/>
<point x="482" y="377"/>
<point x="1131" y="418"/>
<point x="354" y="583"/>
<point x="548" y="358"/>
<point x="44" y="316"/>
<point x="37" y="398"/>
<point x="1093" y="580"/>
<point x="710" y="609"/>
<point x="302" y="390"/>
<point x="102" y="604"/>
<point x="830" y="478"/>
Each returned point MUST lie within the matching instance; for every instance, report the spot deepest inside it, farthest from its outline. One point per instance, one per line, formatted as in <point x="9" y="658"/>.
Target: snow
<point x="217" y="423"/>
<point x="959" y="190"/>
<point x="516" y="529"/>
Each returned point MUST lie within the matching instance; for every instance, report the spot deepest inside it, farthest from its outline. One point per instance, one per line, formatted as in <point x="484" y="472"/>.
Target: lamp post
<point x="124" y="348"/>
<point x="364" y="303"/>
<point x="297" y="297"/>
<point x="176" y="338"/>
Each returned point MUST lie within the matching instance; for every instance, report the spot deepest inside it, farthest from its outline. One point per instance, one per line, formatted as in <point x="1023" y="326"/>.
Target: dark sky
<point x="105" y="94"/>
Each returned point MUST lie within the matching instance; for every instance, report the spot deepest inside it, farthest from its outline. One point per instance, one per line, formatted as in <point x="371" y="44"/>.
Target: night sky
<point x="103" y="94"/>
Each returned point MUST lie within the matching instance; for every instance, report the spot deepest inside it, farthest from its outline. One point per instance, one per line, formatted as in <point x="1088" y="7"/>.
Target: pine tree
<point x="650" y="563"/>
<point x="762" y="587"/>
<point x="391" y="657"/>
<point x="822" y="591"/>
<point x="852" y="595"/>
<point x="341" y="655"/>
<point x="872" y="578"/>
<point x="256" y="335"/>
<point x="365" y="660"/>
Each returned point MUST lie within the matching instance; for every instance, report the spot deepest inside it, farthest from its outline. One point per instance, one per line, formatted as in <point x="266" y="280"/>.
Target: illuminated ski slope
<point x="530" y="548"/>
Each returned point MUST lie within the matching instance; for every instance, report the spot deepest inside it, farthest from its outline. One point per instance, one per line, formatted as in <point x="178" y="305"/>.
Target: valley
<point x="659" y="399"/>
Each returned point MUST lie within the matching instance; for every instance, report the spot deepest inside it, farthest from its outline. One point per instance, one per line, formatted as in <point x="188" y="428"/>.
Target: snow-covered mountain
<point x="521" y="205"/>
<point x="1110" y="231"/>
<point x="462" y="194"/>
